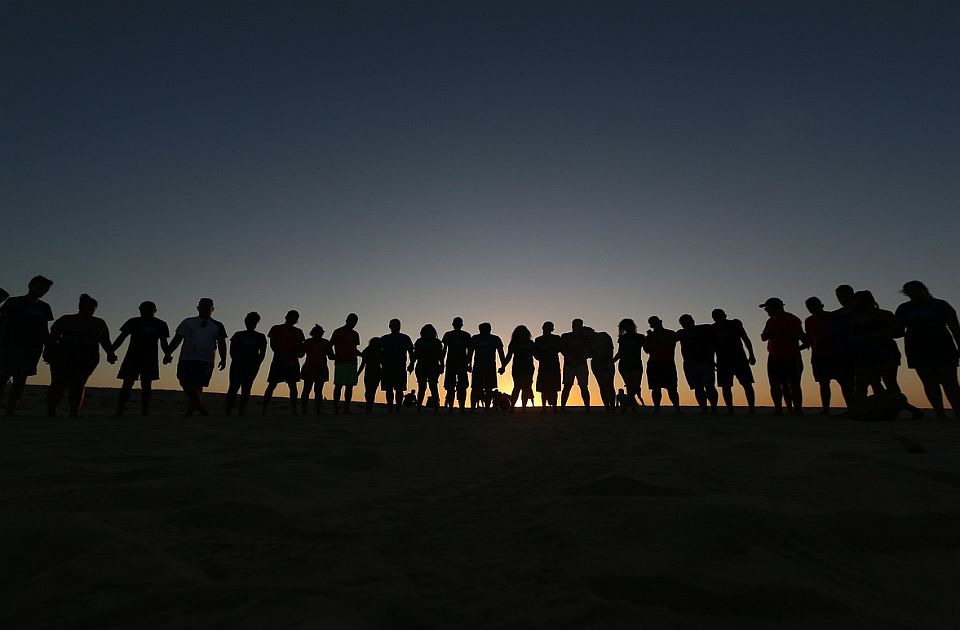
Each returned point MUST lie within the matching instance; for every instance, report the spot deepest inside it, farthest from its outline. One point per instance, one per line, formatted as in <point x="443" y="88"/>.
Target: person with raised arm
<point x="484" y="349"/>
<point x="520" y="350"/>
<point x="73" y="352"/>
<point x="729" y="339"/>
<point x="575" y="348"/>
<point x="428" y="363"/>
<point x="148" y="335"/>
<point x="784" y="335"/>
<point x="661" y="346"/>
<point x="931" y="335"/>
<point x="396" y="347"/>
<point x="248" y="349"/>
<point x="286" y="341"/>
<point x="629" y="359"/>
<point x="24" y="322"/>
<point x="547" y="353"/>
<point x="699" y="363"/>
<point x="456" y="366"/>
<point x="345" y="342"/>
<point x="203" y="338"/>
<point x="316" y="372"/>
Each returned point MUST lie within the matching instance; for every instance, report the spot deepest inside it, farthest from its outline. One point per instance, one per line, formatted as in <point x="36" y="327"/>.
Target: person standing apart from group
<point x="931" y="335"/>
<point x="73" y="352"/>
<point x="547" y="352"/>
<point x="24" y="330"/>
<point x="345" y="342"/>
<point x="148" y="335"/>
<point x="661" y="346"/>
<point x="729" y="340"/>
<point x="784" y="335"/>
<point x="202" y="338"/>
<point x="248" y="349"/>
<point x="456" y="349"/>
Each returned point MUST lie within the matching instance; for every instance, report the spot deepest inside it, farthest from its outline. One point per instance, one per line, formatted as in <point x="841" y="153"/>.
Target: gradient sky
<point x="509" y="162"/>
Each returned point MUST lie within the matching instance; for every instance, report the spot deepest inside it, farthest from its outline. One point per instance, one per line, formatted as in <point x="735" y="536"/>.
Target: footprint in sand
<point x="625" y="487"/>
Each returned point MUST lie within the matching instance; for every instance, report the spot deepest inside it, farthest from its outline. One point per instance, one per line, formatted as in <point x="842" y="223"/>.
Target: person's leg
<point x="124" y="396"/>
<point x="347" y="398"/>
<point x="58" y="387"/>
<point x="421" y="393"/>
<point x="931" y="387"/>
<point x="77" y="388"/>
<point x="17" y="385"/>
<point x="951" y="388"/>
<point x="318" y="396"/>
<point x="657" y="395"/>
<point x="825" y="395"/>
<point x="146" y="393"/>
<point x="435" y="392"/>
<point x="389" y="393"/>
<point x="233" y="387"/>
<point x="583" y="384"/>
<point x="796" y="396"/>
<point x="728" y="397"/>
<point x="246" y="389"/>
<point x="701" y="395"/>
<point x="305" y="396"/>
<point x="674" y="398"/>
<point x="337" y="388"/>
<point x="294" y="395"/>
<point x="776" y="393"/>
<point x="198" y="400"/>
<point x="712" y="397"/>
<point x="267" y="395"/>
<point x="515" y="394"/>
<point x="751" y="397"/>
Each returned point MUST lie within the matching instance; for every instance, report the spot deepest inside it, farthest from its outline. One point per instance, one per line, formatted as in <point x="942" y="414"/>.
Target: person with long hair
<point x="547" y="354"/>
<point x="147" y="333"/>
<point x="428" y="364"/>
<point x="520" y="350"/>
<point x="315" y="372"/>
<point x="629" y="359"/>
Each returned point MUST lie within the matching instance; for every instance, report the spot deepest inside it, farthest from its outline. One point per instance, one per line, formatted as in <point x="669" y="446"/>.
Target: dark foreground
<point x="423" y="521"/>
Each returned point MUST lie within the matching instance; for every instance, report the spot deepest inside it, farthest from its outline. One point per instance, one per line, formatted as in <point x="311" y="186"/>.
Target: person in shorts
<point x="203" y="338"/>
<point x="371" y="366"/>
<point x="427" y="364"/>
<point x="396" y="348"/>
<point x="629" y="359"/>
<point x="315" y="372"/>
<point x="784" y="335"/>
<point x="602" y="366"/>
<point x="483" y="351"/>
<point x="661" y="346"/>
<point x="345" y="342"/>
<point x="148" y="335"/>
<point x="697" y="350"/>
<point x="455" y="351"/>
<point x="286" y="341"/>
<point x="575" y="346"/>
<point x="248" y="348"/>
<point x="24" y="331"/>
<point x="729" y="341"/>
<point x="826" y="361"/>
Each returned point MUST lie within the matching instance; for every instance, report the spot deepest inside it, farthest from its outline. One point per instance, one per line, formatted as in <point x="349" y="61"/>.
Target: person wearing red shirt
<point x="286" y="341"/>
<point x="820" y="329"/>
<point x="345" y="342"/>
<point x="784" y="335"/>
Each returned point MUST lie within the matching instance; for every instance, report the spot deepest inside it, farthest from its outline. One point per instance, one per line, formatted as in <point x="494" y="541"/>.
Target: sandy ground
<point x="494" y="521"/>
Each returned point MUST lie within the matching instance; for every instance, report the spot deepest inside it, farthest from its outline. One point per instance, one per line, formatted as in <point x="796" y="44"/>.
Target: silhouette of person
<point x="484" y="348"/>
<point x="202" y="338"/>
<point x="603" y="369"/>
<point x="624" y="401"/>
<point x="697" y="350"/>
<point x="456" y="344"/>
<point x="396" y="347"/>
<point x="73" y="352"/>
<point x="345" y="342"/>
<point x="409" y="400"/>
<point x="575" y="346"/>
<point x="661" y="345"/>
<point x="371" y="366"/>
<point x="315" y="371"/>
<point x="547" y="353"/>
<point x="821" y="328"/>
<point x="931" y="334"/>
<point x="784" y="335"/>
<point x="729" y="340"/>
<point x="24" y="322"/>
<point x="248" y="348"/>
<point x="428" y="363"/>
<point x="520" y="350"/>
<point x="286" y="341"/>
<point x="629" y="358"/>
<point x="148" y="334"/>
<point x="840" y="322"/>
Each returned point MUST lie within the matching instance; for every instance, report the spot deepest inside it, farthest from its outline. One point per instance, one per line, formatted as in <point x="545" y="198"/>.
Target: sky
<point x="510" y="162"/>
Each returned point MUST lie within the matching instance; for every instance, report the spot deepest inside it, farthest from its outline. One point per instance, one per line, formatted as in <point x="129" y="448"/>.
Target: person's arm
<point x="174" y="344"/>
<point x="52" y="337"/>
<point x="222" y="347"/>
<point x="745" y="338"/>
<point x="120" y="339"/>
<point x="500" y="352"/>
<point x="900" y="326"/>
<point x="413" y="359"/>
<point x="106" y="345"/>
<point x="505" y="362"/>
<point x="953" y="325"/>
<point x="363" y="364"/>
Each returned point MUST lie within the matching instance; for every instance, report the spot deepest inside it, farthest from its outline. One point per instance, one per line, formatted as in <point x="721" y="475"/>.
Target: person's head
<point x="484" y="328"/>
<point x="773" y="306"/>
<point x="620" y="391"/>
<point x="865" y="300"/>
<point x="814" y="305"/>
<point x="457" y="323"/>
<point x="352" y="320"/>
<point x="626" y="325"/>
<point x="428" y="331"/>
<point x="547" y="328"/>
<point x="718" y="315"/>
<point x="655" y="322"/>
<point x="148" y="309"/>
<point x="205" y="308"/>
<point x="394" y="325"/>
<point x="317" y="332"/>
<point x="38" y="286"/>
<point x="292" y="317"/>
<point x="687" y="321"/>
<point x="87" y="305"/>
<point x="844" y="295"/>
<point x="251" y="320"/>
<point x="576" y="325"/>
<point x="521" y="333"/>
<point x="916" y="290"/>
<point x="374" y="343"/>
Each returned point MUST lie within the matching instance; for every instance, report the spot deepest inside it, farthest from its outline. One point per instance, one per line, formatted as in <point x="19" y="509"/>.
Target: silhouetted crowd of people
<point x="854" y="345"/>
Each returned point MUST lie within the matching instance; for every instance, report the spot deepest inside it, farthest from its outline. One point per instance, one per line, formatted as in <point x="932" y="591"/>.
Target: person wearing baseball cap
<point x="784" y="335"/>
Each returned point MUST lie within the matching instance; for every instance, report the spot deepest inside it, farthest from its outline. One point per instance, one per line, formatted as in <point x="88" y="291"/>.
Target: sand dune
<point x="503" y="520"/>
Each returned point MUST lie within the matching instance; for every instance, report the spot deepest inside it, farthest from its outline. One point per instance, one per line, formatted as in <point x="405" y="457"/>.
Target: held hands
<point x="223" y="364"/>
<point x="753" y="360"/>
<point x="410" y="369"/>
<point x="111" y="358"/>
<point x="502" y="370"/>
<point x="167" y="359"/>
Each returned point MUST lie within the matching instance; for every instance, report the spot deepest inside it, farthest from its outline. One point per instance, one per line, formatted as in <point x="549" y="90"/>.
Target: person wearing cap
<point x="784" y="335"/>
<point x="203" y="338"/>
<point x="931" y="334"/>
<point x="148" y="334"/>
<point x="661" y="346"/>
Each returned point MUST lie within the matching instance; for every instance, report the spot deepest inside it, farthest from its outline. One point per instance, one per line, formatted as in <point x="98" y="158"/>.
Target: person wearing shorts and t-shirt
<point x="248" y="348"/>
<point x="202" y="338"/>
<point x="286" y="341"/>
<point x="395" y="348"/>
<point x="661" y="346"/>
<point x="825" y="360"/>
<point x="345" y="343"/>
<point x="729" y="340"/>
<point x="484" y="348"/>
<point x="575" y="346"/>
<point x="148" y="334"/>
<point x="24" y="330"/>
<point x="697" y="350"/>
<point x="455" y="351"/>
<point x="784" y="335"/>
